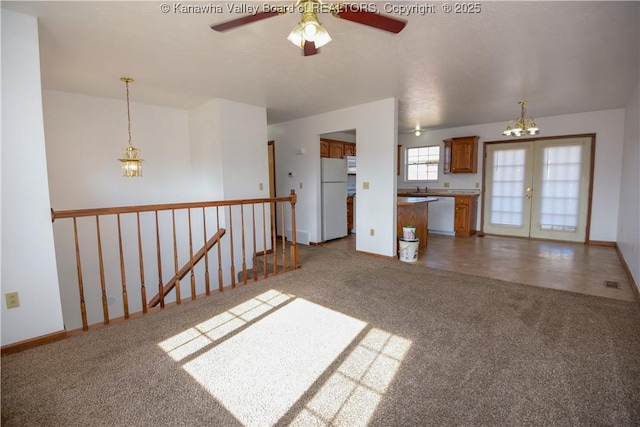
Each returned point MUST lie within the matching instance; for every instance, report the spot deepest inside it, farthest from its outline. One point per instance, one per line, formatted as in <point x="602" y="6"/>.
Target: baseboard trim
<point x="33" y="342"/>
<point x="634" y="285"/>
<point x="602" y="243"/>
<point x="377" y="255"/>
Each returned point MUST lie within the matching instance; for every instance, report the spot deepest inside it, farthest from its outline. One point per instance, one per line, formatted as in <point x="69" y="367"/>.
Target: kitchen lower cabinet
<point x="464" y="218"/>
<point x="349" y="214"/>
<point x="454" y="214"/>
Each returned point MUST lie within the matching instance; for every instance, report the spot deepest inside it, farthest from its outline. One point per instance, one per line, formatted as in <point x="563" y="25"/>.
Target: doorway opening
<point x="338" y="169"/>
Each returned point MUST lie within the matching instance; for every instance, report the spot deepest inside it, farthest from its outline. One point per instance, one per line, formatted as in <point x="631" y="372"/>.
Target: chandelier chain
<point x="128" y="110"/>
<point x="130" y="155"/>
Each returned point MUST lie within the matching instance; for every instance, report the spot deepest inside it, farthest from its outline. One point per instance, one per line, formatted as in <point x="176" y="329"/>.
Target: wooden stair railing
<point x="139" y="235"/>
<point x="188" y="267"/>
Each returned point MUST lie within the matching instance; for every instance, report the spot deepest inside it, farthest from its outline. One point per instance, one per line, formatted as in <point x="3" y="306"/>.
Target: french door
<point x="538" y="188"/>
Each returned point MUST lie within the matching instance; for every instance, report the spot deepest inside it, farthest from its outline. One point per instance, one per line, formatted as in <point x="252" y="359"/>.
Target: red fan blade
<point x="309" y="48"/>
<point x="352" y="13"/>
<point x="243" y="20"/>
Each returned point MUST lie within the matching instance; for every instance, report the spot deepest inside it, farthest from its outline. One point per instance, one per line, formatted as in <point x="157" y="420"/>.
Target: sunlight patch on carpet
<point x="206" y="333"/>
<point x="259" y="373"/>
<point x="350" y="396"/>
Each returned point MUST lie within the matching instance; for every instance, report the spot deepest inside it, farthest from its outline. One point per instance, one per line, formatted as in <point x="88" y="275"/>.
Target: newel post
<point x="294" y="245"/>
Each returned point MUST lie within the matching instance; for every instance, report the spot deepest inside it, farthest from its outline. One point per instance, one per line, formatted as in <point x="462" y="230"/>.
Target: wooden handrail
<point x="97" y="284"/>
<point x="188" y="266"/>
<point x="77" y="213"/>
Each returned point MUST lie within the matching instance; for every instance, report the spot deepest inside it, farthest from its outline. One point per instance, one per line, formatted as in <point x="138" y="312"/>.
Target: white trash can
<point x="408" y="250"/>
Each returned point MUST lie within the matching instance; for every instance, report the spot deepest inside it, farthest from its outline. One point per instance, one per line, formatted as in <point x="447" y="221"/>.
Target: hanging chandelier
<point x="522" y="126"/>
<point x="130" y="156"/>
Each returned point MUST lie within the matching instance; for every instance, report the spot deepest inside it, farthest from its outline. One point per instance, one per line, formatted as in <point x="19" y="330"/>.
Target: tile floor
<point x="566" y="266"/>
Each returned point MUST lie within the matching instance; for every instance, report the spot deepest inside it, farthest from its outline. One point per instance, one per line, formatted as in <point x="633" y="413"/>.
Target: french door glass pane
<point x="560" y="192"/>
<point x="507" y="201"/>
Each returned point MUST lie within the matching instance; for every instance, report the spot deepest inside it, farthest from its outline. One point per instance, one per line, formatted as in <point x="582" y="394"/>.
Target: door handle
<point x="528" y="196"/>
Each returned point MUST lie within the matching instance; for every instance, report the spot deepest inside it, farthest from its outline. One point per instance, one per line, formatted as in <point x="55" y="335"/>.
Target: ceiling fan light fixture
<point x="322" y="37"/>
<point x="297" y="36"/>
<point x="309" y="29"/>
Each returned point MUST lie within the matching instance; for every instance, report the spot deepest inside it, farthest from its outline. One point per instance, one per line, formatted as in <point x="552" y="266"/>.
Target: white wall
<point x="244" y="150"/>
<point x="213" y="152"/>
<point x="206" y="151"/>
<point x="91" y="131"/>
<point x="229" y="150"/>
<point x="608" y="126"/>
<point x="629" y="218"/>
<point x="229" y="146"/>
<point x="341" y="136"/>
<point x="376" y="134"/>
<point x="28" y="258"/>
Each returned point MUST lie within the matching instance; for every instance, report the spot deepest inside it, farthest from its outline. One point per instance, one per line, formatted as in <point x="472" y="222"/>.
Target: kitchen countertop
<point x="438" y="193"/>
<point x="407" y="201"/>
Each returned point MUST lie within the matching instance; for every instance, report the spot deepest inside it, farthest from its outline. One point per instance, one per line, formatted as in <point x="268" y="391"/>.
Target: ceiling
<point x="446" y="69"/>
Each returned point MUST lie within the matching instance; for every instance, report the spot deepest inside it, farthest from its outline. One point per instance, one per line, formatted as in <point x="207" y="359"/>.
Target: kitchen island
<point x="414" y="211"/>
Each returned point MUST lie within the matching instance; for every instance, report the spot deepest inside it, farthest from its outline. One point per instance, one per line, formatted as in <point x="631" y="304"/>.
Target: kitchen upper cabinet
<point x="349" y="149"/>
<point x="461" y="155"/>
<point x="324" y="148"/>
<point x="336" y="149"/>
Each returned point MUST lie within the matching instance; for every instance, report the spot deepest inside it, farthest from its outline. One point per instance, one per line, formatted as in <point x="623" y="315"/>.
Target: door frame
<point x="592" y="136"/>
<point x="271" y="161"/>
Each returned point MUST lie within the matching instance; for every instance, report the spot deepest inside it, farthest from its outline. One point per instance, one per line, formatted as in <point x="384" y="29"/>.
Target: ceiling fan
<point x="309" y="34"/>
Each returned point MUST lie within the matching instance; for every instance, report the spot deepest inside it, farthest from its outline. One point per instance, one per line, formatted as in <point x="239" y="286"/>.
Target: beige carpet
<point x="345" y="340"/>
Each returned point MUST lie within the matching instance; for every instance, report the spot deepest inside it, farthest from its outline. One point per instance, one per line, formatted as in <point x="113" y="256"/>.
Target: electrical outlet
<point x="633" y="249"/>
<point x="372" y="232"/>
<point x="477" y="185"/>
<point x="446" y="185"/>
<point x="365" y="186"/>
<point x="261" y="186"/>
<point x="301" y="186"/>
<point x="12" y="299"/>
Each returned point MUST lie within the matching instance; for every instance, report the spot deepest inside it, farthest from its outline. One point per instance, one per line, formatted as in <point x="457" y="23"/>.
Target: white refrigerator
<point x="333" y="179"/>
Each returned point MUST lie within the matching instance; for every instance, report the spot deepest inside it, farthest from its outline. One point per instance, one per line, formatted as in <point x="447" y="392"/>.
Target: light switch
<point x="365" y="185"/>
